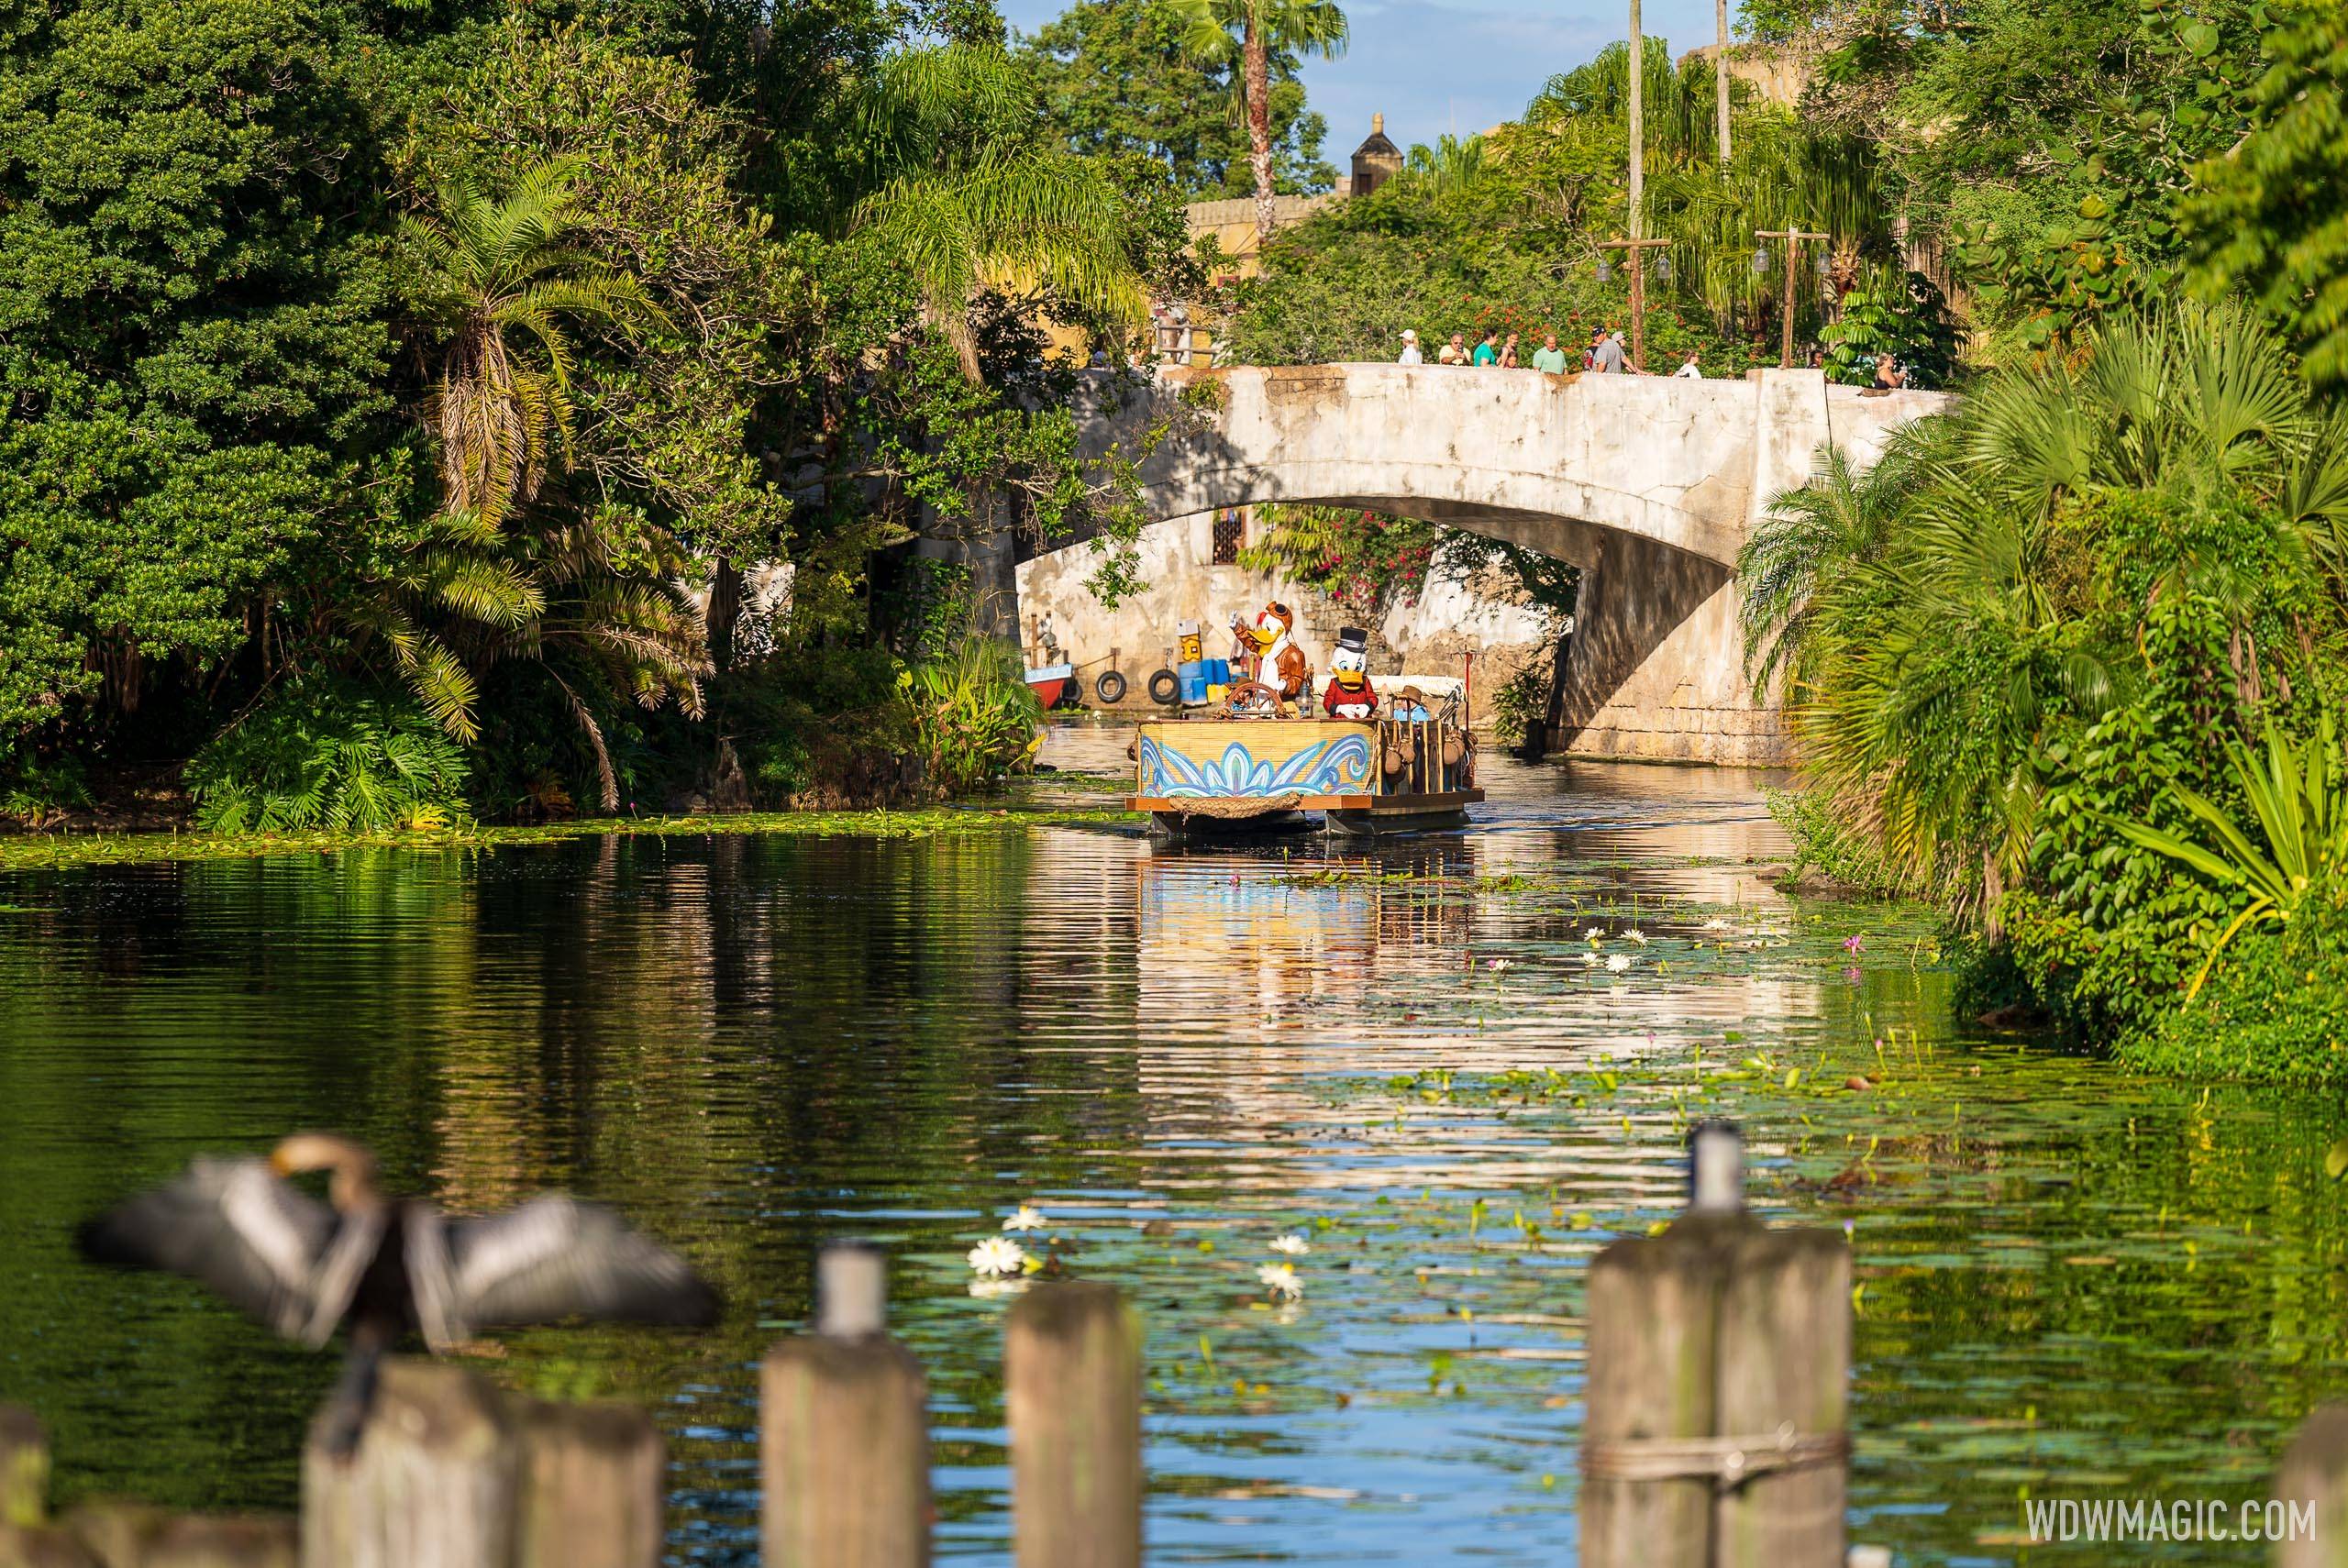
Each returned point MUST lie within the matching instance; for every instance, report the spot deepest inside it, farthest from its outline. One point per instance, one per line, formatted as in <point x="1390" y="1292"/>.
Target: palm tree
<point x="1925" y="617"/>
<point x="1245" y="33"/>
<point x="970" y="203"/>
<point x="503" y="277"/>
<point x="502" y="573"/>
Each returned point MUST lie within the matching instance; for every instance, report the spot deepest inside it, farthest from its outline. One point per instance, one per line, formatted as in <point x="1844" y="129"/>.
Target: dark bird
<point x="383" y="1268"/>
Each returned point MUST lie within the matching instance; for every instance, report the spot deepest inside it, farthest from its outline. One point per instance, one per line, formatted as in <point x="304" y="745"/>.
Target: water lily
<point x="1293" y="1245"/>
<point x="1618" y="962"/>
<point x="1635" y="934"/>
<point x="998" y="1255"/>
<point x="1854" y="943"/>
<point x="1279" y="1279"/>
<point x="1026" y="1216"/>
<point x="1592" y="935"/>
<point x="1496" y="965"/>
<point x="1716" y="924"/>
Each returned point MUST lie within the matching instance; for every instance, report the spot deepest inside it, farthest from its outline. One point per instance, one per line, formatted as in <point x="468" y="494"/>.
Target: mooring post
<point x="2315" y="1474"/>
<point x="843" y="1442"/>
<point x="593" y="1486"/>
<point x="1784" y="1375"/>
<point x="435" y="1481"/>
<point x="24" y="1467"/>
<point x="134" y="1535"/>
<point x="1071" y="1368"/>
<point x="1717" y="1356"/>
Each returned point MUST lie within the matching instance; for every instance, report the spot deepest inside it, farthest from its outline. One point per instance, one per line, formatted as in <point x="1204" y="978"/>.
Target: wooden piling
<point x="844" y="1441"/>
<point x="1072" y="1384"/>
<point x="435" y="1481"/>
<point x="131" y="1535"/>
<point x="1716" y="1433"/>
<point x="1652" y="1344"/>
<point x="1783" y="1360"/>
<point x="24" y="1467"/>
<point x="593" y="1486"/>
<point x="2315" y="1469"/>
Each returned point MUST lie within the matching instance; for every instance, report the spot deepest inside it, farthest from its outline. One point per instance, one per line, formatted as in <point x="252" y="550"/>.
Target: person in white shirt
<point x="1411" y="355"/>
<point x="1687" y="371"/>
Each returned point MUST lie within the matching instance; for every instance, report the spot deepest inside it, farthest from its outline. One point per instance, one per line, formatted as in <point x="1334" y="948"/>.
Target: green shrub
<point x="37" y="790"/>
<point x="330" y="754"/>
<point x="2275" y="1007"/>
<point x="1826" y="843"/>
<point x="973" y="715"/>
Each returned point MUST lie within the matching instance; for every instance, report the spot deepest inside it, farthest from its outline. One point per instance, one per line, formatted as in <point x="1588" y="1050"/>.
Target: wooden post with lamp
<point x="1795" y="238"/>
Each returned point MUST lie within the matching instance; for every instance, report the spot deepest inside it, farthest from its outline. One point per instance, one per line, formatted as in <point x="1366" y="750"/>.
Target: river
<point x="2072" y="1282"/>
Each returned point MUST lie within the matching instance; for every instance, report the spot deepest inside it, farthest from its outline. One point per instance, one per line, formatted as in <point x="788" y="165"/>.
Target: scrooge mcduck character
<point x="1349" y="695"/>
<point x="1280" y="655"/>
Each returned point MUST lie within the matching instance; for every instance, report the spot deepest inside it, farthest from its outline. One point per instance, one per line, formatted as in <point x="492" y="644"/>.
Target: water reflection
<point x="2073" y="1280"/>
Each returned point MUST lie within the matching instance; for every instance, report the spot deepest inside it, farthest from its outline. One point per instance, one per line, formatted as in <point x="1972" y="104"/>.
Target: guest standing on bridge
<point x="1488" y="352"/>
<point x="1456" y="351"/>
<point x="1509" y="361"/>
<point x="1688" y="370"/>
<point x="1609" y="359"/>
<point x="1411" y="355"/>
<point x="1549" y="358"/>
<point x="1589" y="354"/>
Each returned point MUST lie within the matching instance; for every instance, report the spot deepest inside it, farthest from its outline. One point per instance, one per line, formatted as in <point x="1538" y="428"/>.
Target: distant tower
<point x="1375" y="161"/>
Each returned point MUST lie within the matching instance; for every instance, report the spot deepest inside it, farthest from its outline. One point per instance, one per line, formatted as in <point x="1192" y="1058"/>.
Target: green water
<point x="2074" y="1282"/>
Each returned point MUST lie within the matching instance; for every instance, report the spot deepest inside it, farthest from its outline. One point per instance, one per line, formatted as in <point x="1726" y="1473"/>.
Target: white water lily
<point x="998" y="1255"/>
<point x="1279" y="1279"/>
<point x="1635" y="934"/>
<point x="1716" y="924"/>
<point x="1026" y="1216"/>
<point x="1592" y="935"/>
<point x="1293" y="1245"/>
<point x="1618" y="962"/>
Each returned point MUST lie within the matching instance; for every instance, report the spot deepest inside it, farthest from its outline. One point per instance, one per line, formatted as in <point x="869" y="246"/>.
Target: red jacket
<point x="1336" y="695"/>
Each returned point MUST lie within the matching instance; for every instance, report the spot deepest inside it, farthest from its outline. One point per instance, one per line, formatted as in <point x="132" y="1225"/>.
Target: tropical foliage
<point x="2025" y="655"/>
<point x="328" y="754"/>
<point x="1241" y="38"/>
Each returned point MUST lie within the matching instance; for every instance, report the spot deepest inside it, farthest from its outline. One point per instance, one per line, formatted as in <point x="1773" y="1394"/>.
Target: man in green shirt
<point x="1488" y="352"/>
<point x="1549" y="357"/>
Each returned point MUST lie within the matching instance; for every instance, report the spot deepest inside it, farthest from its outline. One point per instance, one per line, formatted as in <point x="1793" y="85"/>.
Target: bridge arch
<point x="1649" y="484"/>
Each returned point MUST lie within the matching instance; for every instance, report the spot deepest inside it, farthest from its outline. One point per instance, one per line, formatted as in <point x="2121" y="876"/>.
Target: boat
<point x="1048" y="682"/>
<point x="1232" y="774"/>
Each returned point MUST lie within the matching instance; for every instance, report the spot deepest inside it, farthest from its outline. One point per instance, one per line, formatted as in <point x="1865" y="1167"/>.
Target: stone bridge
<point x="1649" y="484"/>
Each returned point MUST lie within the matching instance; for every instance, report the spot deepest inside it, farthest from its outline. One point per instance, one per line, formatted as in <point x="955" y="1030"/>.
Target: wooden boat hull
<point x="1220" y="778"/>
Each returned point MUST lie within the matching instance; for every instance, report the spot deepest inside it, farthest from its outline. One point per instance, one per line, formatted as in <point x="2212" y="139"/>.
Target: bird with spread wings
<point x="383" y="1268"/>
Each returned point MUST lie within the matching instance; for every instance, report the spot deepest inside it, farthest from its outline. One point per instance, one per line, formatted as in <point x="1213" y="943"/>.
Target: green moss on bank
<point x="37" y="851"/>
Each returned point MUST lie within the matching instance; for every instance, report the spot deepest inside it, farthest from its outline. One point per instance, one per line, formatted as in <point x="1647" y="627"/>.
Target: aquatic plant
<point x="1280" y="1280"/>
<point x="974" y="716"/>
<point x="1026" y="1216"/>
<point x="997" y="1255"/>
<point x="1292" y="1245"/>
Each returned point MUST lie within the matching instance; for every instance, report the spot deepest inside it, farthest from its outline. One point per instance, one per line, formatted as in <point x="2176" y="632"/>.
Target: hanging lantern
<point x="1662" y="266"/>
<point x="1760" y="259"/>
<point x="1605" y="271"/>
<point x="1825" y="263"/>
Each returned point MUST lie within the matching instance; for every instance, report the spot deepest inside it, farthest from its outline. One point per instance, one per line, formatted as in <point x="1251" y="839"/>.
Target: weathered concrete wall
<point x="1426" y="637"/>
<point x="1651" y="484"/>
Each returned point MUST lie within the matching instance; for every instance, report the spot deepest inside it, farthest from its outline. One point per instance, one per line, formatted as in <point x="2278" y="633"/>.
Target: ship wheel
<point x="1252" y="700"/>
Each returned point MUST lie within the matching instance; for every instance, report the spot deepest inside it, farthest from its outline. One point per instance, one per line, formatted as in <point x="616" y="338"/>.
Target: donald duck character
<point x="1280" y="655"/>
<point x="1349" y="695"/>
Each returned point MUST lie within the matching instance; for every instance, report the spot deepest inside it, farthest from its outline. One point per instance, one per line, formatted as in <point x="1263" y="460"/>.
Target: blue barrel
<point x="1193" y="674"/>
<point x="1218" y="671"/>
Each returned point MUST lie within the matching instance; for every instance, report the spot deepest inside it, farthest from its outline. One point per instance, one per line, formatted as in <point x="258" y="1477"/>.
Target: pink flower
<point x="1853" y="943"/>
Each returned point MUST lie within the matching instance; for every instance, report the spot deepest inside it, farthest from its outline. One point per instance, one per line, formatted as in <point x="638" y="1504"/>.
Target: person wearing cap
<point x="1609" y="359"/>
<point x="1411" y="355"/>
<point x="1348" y="695"/>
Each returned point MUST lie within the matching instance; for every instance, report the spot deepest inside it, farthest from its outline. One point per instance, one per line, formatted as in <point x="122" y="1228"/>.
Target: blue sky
<point x="1432" y="68"/>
